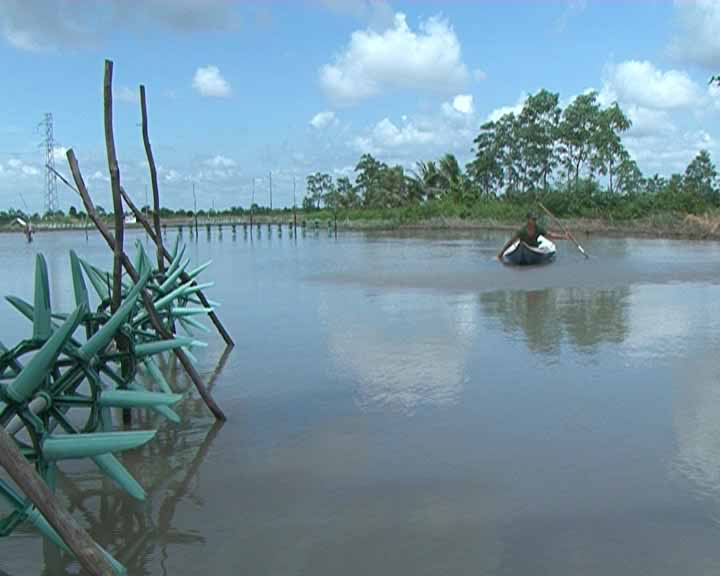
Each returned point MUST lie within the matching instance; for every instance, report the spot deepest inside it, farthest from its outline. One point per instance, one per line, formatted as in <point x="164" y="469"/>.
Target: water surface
<point x="404" y="404"/>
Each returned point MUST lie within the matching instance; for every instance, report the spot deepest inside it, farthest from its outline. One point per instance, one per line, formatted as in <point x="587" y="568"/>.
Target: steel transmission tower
<point x="51" y="195"/>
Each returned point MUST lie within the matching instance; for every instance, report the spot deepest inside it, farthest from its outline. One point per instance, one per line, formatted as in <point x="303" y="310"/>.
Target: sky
<point x="239" y="90"/>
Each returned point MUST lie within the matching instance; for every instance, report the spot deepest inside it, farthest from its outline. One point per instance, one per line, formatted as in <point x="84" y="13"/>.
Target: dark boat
<point x="522" y="254"/>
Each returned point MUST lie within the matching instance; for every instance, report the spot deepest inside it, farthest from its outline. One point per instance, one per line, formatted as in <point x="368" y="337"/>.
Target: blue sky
<point x="239" y="89"/>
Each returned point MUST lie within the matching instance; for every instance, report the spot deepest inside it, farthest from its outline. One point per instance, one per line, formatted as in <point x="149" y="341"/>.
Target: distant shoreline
<point x="660" y="226"/>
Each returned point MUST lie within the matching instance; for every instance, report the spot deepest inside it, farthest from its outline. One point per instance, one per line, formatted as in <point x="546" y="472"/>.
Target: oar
<point x="567" y="232"/>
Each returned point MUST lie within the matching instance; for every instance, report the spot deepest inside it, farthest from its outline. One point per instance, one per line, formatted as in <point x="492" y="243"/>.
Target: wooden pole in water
<point x="115" y="186"/>
<point x="77" y="539"/>
<point x="147" y="300"/>
<point x="121" y="340"/>
<point x="184" y="277"/>
<point x="294" y="208"/>
<point x="153" y="180"/>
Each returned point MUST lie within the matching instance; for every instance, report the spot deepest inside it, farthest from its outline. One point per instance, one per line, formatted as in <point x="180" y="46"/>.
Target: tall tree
<point x="609" y="150"/>
<point x="577" y="133"/>
<point x="701" y="178"/>
<point x="485" y="170"/>
<point x="537" y="127"/>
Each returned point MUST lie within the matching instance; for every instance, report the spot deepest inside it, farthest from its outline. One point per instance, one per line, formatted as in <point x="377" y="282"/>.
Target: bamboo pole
<point x="115" y="185"/>
<point x="121" y="340"/>
<point x="147" y="300"/>
<point x="184" y="277"/>
<point x="153" y="180"/>
<point x="77" y="539"/>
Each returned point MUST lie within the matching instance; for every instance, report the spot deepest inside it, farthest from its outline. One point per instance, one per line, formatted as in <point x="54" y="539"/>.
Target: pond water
<point x="404" y="404"/>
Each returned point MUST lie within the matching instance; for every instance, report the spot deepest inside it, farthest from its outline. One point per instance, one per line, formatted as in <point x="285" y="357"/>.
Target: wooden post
<point x="77" y="539"/>
<point x="121" y="340"/>
<point x="147" y="300"/>
<point x="153" y="180"/>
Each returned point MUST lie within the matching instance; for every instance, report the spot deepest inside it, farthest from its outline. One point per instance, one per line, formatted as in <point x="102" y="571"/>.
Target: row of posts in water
<point x="248" y="228"/>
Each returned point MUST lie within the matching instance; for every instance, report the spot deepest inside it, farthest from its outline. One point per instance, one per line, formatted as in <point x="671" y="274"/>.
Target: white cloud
<point x="462" y="103"/>
<point x="647" y="122"/>
<point x="641" y="83"/>
<point x="18" y="169"/>
<point x="220" y="161"/>
<point x="59" y="153"/>
<point x="323" y="119"/>
<point x="669" y="155"/>
<point x="498" y="113"/>
<point x="386" y="135"/>
<point x="208" y="81"/>
<point x="698" y="41"/>
<point x="99" y="176"/>
<point x="397" y="58"/>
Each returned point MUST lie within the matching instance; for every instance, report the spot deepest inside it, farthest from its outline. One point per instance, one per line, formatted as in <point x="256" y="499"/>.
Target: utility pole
<point x="252" y="204"/>
<point x="51" y="195"/>
<point x="294" y="207"/>
<point x="195" y="211"/>
<point x="271" y="191"/>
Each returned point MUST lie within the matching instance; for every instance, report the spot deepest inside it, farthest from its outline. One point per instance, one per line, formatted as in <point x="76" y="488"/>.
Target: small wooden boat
<point x="521" y="254"/>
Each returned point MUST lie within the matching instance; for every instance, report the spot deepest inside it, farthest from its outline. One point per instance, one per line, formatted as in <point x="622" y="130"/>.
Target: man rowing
<point x="530" y="233"/>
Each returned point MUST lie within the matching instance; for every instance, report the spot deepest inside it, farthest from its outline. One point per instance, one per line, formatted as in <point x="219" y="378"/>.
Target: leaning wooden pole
<point x="77" y="539"/>
<point x="153" y="181"/>
<point x="184" y="277"/>
<point x="147" y="300"/>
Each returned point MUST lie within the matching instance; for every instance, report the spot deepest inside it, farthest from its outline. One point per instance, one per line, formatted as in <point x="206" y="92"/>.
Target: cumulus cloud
<point x="323" y="119"/>
<point x="698" y="38"/>
<point x="462" y="104"/>
<point x="667" y="155"/>
<point x="220" y="161"/>
<point x="386" y="135"/>
<point x="15" y="168"/>
<point x="49" y="24"/>
<point x="398" y="58"/>
<point x="641" y="83"/>
<point x="647" y="122"/>
<point x="208" y="81"/>
<point x="516" y="108"/>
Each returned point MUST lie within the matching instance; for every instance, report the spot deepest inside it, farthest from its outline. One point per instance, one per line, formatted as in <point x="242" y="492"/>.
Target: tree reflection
<point x="584" y="317"/>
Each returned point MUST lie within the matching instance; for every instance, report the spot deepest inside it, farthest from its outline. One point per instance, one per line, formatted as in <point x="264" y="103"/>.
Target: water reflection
<point x="140" y="534"/>
<point x="418" y="359"/>
<point x="696" y="420"/>
<point x="584" y="317"/>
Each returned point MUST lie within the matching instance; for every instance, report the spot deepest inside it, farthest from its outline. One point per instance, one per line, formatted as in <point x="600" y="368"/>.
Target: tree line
<point x="573" y="158"/>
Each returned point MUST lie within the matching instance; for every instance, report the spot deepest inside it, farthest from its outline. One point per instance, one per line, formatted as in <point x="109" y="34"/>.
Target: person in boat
<point x="530" y="233"/>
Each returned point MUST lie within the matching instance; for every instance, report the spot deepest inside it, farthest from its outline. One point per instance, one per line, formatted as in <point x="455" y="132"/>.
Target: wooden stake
<point x="184" y="277"/>
<point x="115" y="185"/>
<point x="77" y="539"/>
<point x="147" y="300"/>
<point x="153" y="181"/>
<point x="121" y="340"/>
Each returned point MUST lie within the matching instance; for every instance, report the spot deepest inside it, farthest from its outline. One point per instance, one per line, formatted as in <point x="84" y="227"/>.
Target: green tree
<point x="577" y="134"/>
<point x="485" y="170"/>
<point x="700" y="178"/>
<point x="537" y="128"/>
<point x="629" y="177"/>
<point x="609" y="150"/>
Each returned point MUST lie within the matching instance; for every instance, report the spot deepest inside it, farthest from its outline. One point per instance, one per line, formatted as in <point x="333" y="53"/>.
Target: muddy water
<point x="403" y="404"/>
